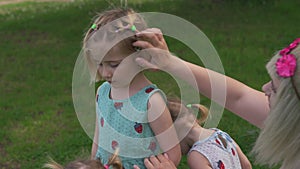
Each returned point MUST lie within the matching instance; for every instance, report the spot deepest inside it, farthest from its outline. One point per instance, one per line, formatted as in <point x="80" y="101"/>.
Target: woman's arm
<point x="162" y="125"/>
<point x="248" y="103"/>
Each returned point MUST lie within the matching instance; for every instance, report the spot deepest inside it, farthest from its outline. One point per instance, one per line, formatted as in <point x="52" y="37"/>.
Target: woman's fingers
<point x="142" y="44"/>
<point x="154" y="37"/>
<point x="155" y="53"/>
<point x="145" y="64"/>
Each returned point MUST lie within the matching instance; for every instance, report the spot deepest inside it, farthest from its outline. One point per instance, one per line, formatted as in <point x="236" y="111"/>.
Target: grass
<point x="40" y="43"/>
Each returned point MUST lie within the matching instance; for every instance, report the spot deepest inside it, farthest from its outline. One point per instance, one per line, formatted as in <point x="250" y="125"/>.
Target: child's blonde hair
<point x="111" y="28"/>
<point x="114" y="161"/>
<point x="178" y="109"/>
<point x="279" y="140"/>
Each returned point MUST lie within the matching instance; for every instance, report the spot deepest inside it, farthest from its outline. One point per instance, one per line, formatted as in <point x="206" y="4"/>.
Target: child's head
<point x="78" y="164"/>
<point x="185" y="119"/>
<point x="179" y="110"/>
<point x="279" y="139"/>
<point x="114" y="161"/>
<point x="112" y="33"/>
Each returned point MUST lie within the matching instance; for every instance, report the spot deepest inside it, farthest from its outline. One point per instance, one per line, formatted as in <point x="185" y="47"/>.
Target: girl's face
<point x="270" y="90"/>
<point x="109" y="64"/>
<point x="118" y="67"/>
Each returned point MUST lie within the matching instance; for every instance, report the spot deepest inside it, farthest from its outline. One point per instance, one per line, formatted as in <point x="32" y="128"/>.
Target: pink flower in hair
<point x="286" y="65"/>
<point x="284" y="51"/>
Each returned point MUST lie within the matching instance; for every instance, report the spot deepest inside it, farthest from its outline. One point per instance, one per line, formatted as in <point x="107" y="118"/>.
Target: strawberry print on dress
<point x="114" y="144"/>
<point x="233" y="152"/>
<point x="150" y="89"/>
<point x="138" y="127"/>
<point x="221" y="165"/>
<point x="152" y="146"/>
<point x="218" y="142"/>
<point x="118" y="105"/>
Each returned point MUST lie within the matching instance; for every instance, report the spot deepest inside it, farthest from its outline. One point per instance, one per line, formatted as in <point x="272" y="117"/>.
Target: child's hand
<point x="158" y="162"/>
<point x="156" y="54"/>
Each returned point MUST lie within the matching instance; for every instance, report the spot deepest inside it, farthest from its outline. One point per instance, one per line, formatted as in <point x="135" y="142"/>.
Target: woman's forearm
<point x="237" y="97"/>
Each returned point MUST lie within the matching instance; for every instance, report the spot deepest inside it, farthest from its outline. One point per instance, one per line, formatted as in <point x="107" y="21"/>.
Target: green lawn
<point x="40" y="43"/>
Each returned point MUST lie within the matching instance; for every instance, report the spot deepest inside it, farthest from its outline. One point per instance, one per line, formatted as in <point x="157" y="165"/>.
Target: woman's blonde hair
<point x="115" y="27"/>
<point x="279" y="140"/>
<point x="114" y="161"/>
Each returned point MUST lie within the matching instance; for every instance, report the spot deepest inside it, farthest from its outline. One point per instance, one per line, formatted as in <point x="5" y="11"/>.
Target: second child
<point x="205" y="148"/>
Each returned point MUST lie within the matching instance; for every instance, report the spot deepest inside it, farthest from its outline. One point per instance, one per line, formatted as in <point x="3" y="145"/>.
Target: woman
<point x="276" y="110"/>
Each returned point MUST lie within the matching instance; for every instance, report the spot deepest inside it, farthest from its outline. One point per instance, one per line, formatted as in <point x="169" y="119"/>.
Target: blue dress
<point x="123" y="124"/>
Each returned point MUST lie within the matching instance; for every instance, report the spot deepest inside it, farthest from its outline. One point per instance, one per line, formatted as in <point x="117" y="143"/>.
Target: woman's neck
<point x="126" y="91"/>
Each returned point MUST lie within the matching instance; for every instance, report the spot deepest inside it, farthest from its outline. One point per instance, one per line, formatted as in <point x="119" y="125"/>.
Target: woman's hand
<point x="151" y="38"/>
<point x="158" y="162"/>
<point x="155" y="53"/>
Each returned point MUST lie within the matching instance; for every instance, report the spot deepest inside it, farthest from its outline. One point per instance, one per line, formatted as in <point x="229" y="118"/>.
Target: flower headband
<point x="286" y="65"/>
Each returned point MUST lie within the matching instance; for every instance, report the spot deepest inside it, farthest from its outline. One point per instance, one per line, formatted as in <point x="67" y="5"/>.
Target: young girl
<point x="114" y="161"/>
<point x="206" y="148"/>
<point x="131" y="111"/>
<point x="276" y="110"/>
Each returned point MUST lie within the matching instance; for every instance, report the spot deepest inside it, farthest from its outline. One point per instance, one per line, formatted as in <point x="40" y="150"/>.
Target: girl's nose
<point x="105" y="72"/>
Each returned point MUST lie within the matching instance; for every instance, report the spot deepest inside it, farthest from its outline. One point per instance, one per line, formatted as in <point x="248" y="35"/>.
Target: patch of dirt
<point x="7" y="164"/>
<point x="2" y="150"/>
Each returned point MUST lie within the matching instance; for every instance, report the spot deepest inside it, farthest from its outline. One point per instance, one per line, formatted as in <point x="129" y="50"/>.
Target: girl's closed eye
<point x="114" y="65"/>
<point x="110" y="64"/>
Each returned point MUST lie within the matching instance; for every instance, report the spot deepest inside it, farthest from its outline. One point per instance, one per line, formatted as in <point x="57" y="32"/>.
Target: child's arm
<point x="245" y="163"/>
<point x="162" y="125"/>
<point x="198" y="161"/>
<point x="95" y="141"/>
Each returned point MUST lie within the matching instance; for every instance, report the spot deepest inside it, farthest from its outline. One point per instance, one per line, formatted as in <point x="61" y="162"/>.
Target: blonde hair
<point x="178" y="110"/>
<point x="109" y="30"/>
<point x="279" y="140"/>
<point x="113" y="161"/>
